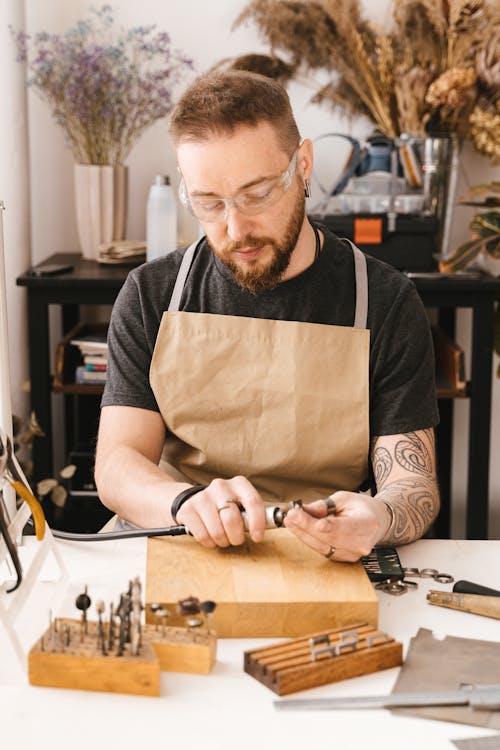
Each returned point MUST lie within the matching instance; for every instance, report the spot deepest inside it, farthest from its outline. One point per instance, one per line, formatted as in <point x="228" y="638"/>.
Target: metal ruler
<point x="479" y="697"/>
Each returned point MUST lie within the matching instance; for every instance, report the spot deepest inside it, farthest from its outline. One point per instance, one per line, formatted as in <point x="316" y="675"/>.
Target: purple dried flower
<point x="104" y="86"/>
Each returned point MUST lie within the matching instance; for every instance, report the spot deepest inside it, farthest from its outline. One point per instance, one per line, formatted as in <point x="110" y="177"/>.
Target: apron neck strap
<point x="361" y="274"/>
<point x="175" y="299"/>
<point x="361" y="313"/>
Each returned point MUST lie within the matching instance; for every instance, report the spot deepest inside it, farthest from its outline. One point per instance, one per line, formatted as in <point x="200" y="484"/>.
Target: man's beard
<point x="254" y="278"/>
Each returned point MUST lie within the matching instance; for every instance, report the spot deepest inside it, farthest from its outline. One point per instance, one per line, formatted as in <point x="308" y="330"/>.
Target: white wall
<point x="203" y="31"/>
<point x="14" y="191"/>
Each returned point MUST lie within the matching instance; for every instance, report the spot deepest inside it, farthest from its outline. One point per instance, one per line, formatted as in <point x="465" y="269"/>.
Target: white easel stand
<point x="49" y="592"/>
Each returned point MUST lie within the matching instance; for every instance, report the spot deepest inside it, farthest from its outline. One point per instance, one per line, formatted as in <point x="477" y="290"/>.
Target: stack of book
<point x="94" y="352"/>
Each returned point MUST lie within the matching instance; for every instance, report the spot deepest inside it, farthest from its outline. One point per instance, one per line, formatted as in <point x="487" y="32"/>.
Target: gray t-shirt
<point x="402" y="387"/>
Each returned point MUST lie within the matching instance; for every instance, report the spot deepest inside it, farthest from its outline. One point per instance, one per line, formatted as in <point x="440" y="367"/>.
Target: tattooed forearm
<point x="429" y="435"/>
<point x="415" y="505"/>
<point x="404" y="470"/>
<point x="413" y="455"/>
<point x="398" y="456"/>
<point x="382" y="465"/>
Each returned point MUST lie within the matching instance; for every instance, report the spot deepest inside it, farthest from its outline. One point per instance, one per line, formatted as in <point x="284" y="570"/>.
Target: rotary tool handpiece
<point x="274" y="517"/>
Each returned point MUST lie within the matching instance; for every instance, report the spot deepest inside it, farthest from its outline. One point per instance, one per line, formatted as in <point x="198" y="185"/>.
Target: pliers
<point x="11" y="472"/>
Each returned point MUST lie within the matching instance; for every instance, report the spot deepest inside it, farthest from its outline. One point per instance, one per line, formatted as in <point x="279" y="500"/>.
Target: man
<point x="272" y="361"/>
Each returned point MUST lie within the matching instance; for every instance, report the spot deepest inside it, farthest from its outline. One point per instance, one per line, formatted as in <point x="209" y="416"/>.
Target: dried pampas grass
<point x="437" y="69"/>
<point x="485" y="132"/>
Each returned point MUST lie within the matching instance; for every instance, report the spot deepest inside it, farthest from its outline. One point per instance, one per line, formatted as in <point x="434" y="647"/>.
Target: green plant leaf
<point x="462" y="256"/>
<point x="488" y="222"/>
<point x="492" y="247"/>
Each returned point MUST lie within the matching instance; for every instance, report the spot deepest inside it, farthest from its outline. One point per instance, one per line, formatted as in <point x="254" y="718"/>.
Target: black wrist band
<point x="181" y="498"/>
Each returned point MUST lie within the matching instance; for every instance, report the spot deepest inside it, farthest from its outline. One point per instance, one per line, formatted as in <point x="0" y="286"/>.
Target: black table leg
<point x="70" y="317"/>
<point x="444" y="439"/>
<point x="444" y="442"/>
<point x="40" y="379"/>
<point x="479" y="421"/>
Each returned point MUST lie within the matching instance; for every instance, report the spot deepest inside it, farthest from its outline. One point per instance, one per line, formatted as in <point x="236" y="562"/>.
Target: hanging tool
<point x="479" y="697"/>
<point x="11" y="472"/>
<point x="11" y="547"/>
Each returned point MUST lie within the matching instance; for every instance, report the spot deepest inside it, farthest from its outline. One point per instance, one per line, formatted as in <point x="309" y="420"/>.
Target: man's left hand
<point x="358" y="523"/>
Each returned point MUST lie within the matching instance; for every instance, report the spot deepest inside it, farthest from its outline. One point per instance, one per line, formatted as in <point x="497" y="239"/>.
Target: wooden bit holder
<point x="320" y="658"/>
<point x="81" y="664"/>
<point x="182" y="649"/>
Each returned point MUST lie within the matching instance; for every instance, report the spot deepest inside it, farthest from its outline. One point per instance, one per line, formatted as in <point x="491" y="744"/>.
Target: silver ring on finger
<point x="228" y="504"/>
<point x="331" y="506"/>
<point x="330" y="553"/>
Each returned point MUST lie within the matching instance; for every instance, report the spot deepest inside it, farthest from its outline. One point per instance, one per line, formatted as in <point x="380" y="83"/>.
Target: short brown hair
<point x="220" y="101"/>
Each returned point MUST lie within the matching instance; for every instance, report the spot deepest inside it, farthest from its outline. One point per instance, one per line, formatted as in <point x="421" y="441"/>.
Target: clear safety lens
<point x="249" y="202"/>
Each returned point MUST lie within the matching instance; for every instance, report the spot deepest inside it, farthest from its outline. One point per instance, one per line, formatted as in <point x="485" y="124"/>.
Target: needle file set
<point x="330" y="656"/>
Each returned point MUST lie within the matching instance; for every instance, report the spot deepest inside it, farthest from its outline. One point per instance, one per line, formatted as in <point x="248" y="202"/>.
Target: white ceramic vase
<point x="101" y="199"/>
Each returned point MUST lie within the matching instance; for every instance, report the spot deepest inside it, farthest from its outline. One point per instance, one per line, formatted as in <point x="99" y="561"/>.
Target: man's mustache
<point x="248" y="242"/>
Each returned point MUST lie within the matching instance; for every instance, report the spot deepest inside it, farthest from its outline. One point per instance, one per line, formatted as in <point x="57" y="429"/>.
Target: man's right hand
<point x="213" y="515"/>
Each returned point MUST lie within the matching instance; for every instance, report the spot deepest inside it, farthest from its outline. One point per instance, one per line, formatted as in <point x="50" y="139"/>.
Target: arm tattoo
<point x="413" y="455"/>
<point x="382" y="465"/>
<point x="413" y="493"/>
<point x="415" y="505"/>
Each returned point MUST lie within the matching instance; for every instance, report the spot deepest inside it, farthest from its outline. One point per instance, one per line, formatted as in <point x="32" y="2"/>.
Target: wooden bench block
<point x="278" y="587"/>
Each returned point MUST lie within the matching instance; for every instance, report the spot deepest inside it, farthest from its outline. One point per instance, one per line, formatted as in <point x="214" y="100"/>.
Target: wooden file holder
<point x="329" y="656"/>
<point x="81" y="666"/>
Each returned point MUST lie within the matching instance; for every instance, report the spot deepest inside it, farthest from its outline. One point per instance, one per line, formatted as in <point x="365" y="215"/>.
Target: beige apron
<point x="285" y="404"/>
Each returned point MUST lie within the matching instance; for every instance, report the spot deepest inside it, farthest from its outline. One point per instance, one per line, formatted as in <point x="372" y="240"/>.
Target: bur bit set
<point x="189" y="609"/>
<point x="120" y="653"/>
<point x="120" y="631"/>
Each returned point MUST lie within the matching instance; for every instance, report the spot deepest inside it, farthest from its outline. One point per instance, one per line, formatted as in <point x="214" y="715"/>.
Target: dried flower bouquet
<point x="104" y="85"/>
<point x="437" y="70"/>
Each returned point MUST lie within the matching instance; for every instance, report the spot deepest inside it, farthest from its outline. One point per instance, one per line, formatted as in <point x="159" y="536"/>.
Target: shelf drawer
<point x="450" y="366"/>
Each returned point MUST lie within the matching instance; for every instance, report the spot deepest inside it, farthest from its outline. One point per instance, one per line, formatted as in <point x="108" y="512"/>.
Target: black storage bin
<point x="413" y="246"/>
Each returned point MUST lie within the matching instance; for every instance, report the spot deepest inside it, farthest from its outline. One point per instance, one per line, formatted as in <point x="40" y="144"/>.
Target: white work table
<point x="228" y="708"/>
